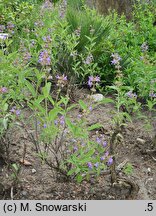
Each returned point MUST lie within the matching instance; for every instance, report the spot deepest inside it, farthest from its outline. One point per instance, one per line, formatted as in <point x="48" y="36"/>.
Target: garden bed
<point x="36" y="180"/>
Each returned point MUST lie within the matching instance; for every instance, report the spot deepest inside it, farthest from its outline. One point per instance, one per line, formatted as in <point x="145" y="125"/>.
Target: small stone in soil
<point x="141" y="141"/>
<point x="97" y="97"/>
<point x="33" y="171"/>
<point x="148" y="170"/>
<point x="24" y="193"/>
<point x="149" y="179"/>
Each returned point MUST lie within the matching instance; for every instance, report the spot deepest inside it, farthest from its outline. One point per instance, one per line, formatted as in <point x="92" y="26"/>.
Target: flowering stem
<point x="58" y="93"/>
<point x="36" y="135"/>
<point x="46" y="101"/>
<point x="112" y="152"/>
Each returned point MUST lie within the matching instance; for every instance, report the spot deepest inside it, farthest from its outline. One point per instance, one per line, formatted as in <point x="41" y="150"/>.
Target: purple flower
<point x="130" y="94"/>
<point x="79" y="116"/>
<point x="83" y="144"/>
<point x="62" y="9"/>
<point x="45" y="126"/>
<point x="75" y="148"/>
<point x="63" y="77"/>
<point x="89" y="59"/>
<point x="97" y="79"/>
<point x="141" y="58"/>
<point x="106" y="154"/>
<point x="10" y="26"/>
<point x="3" y="90"/>
<point x="96" y="164"/>
<point x="27" y="56"/>
<point x="93" y="80"/>
<point x="90" y="82"/>
<point x="90" y="108"/>
<point x="144" y="47"/>
<point x="56" y="122"/>
<point x="114" y="62"/>
<point x="90" y="166"/>
<point x="104" y="144"/>
<point x="44" y="58"/>
<point x="47" y="38"/>
<point x="78" y="32"/>
<point x="33" y="43"/>
<point x="116" y="59"/>
<point x="47" y="5"/>
<point x="13" y="109"/>
<point x="152" y="94"/>
<point x="18" y="112"/>
<point x="61" y="80"/>
<point x="102" y="158"/>
<point x="110" y="161"/>
<point x="4" y="36"/>
<point x="98" y="140"/>
<point x="62" y="121"/>
<point x="51" y="29"/>
<point x="39" y="24"/>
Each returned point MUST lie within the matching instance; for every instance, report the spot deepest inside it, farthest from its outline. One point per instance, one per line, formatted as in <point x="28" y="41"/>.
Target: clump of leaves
<point x="128" y="169"/>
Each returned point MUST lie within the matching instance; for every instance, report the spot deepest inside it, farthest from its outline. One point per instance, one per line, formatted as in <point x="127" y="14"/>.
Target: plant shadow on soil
<point x="41" y="185"/>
